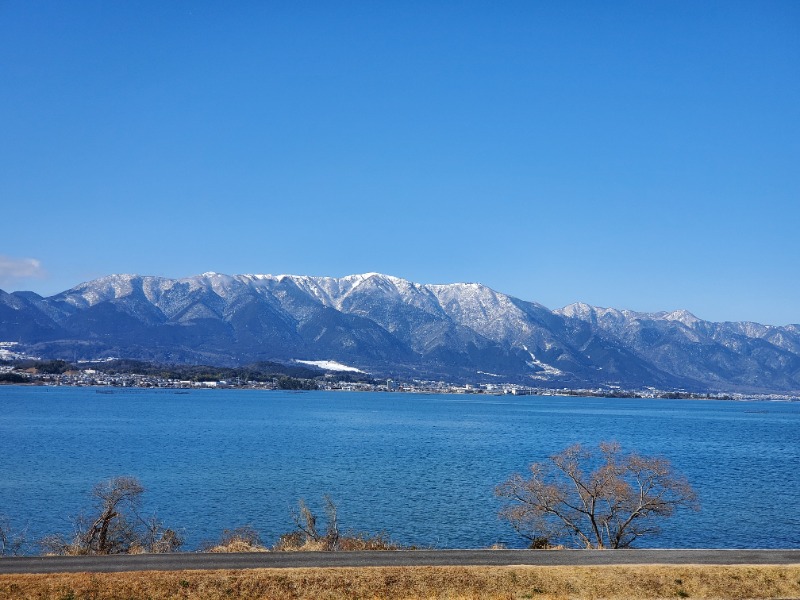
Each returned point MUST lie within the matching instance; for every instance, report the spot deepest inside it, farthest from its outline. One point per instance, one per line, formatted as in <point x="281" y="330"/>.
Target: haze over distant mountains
<point x="392" y="327"/>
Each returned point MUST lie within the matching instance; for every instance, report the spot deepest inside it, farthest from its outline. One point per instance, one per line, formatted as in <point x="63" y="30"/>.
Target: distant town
<point x="122" y="375"/>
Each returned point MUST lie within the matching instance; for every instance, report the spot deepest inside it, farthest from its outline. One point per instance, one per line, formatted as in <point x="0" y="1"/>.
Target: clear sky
<point x="641" y="155"/>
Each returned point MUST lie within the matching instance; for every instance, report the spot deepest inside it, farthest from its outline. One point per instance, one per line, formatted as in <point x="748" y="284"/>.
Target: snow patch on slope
<point x="547" y="370"/>
<point x="329" y="365"/>
<point x="8" y="352"/>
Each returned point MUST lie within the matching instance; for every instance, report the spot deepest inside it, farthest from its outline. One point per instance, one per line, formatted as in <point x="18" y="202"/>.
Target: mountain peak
<point x="682" y="316"/>
<point x="577" y="310"/>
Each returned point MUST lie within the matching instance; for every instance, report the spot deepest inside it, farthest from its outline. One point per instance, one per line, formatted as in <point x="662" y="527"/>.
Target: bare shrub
<point x="307" y="536"/>
<point x="12" y="541"/>
<point x="154" y="538"/>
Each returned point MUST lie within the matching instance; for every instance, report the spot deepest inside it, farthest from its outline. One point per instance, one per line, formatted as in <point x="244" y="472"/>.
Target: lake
<point x="420" y="467"/>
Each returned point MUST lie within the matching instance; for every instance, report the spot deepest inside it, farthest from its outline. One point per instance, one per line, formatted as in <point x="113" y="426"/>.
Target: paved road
<point x="191" y="561"/>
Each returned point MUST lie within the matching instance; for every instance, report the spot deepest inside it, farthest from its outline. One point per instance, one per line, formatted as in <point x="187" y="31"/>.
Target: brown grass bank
<point x="452" y="583"/>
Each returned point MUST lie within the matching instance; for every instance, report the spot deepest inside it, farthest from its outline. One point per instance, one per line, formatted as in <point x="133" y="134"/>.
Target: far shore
<point x="453" y="390"/>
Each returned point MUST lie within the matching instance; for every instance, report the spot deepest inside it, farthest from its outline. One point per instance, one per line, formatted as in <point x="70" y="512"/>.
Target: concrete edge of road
<point x="181" y="561"/>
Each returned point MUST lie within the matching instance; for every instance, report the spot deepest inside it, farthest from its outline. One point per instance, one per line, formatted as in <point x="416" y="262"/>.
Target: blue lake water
<point x="420" y="467"/>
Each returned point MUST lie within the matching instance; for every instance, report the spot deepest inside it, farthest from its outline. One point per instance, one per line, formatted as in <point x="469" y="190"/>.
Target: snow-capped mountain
<point x="393" y="327"/>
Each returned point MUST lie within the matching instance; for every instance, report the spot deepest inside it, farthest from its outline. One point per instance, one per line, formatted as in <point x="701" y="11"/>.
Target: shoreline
<point x="576" y="393"/>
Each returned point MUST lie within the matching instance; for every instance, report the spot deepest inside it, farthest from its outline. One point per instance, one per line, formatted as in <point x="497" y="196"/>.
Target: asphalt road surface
<point x="276" y="560"/>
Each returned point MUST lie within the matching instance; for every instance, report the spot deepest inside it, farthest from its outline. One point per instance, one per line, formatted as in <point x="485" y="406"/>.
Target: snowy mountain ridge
<point x="391" y="326"/>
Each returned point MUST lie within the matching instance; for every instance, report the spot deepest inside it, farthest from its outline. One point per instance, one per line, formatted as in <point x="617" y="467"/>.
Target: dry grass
<point x="241" y="539"/>
<point x="297" y="542"/>
<point x="452" y="583"/>
<point x="235" y="546"/>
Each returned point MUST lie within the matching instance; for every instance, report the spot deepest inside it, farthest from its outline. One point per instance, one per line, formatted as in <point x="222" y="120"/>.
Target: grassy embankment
<point x="521" y="582"/>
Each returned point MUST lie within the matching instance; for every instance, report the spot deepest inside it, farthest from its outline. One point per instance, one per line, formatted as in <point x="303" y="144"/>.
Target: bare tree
<point x="112" y="530"/>
<point x="115" y="526"/>
<point x="594" y="498"/>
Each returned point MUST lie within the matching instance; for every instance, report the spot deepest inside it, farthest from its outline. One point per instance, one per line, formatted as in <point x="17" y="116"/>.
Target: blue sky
<point x="641" y="155"/>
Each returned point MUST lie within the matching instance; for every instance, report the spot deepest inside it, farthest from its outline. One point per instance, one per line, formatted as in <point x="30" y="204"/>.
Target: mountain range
<point x="391" y="327"/>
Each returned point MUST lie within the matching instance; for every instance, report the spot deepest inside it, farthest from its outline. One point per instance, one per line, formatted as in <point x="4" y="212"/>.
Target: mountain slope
<point x="391" y="326"/>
